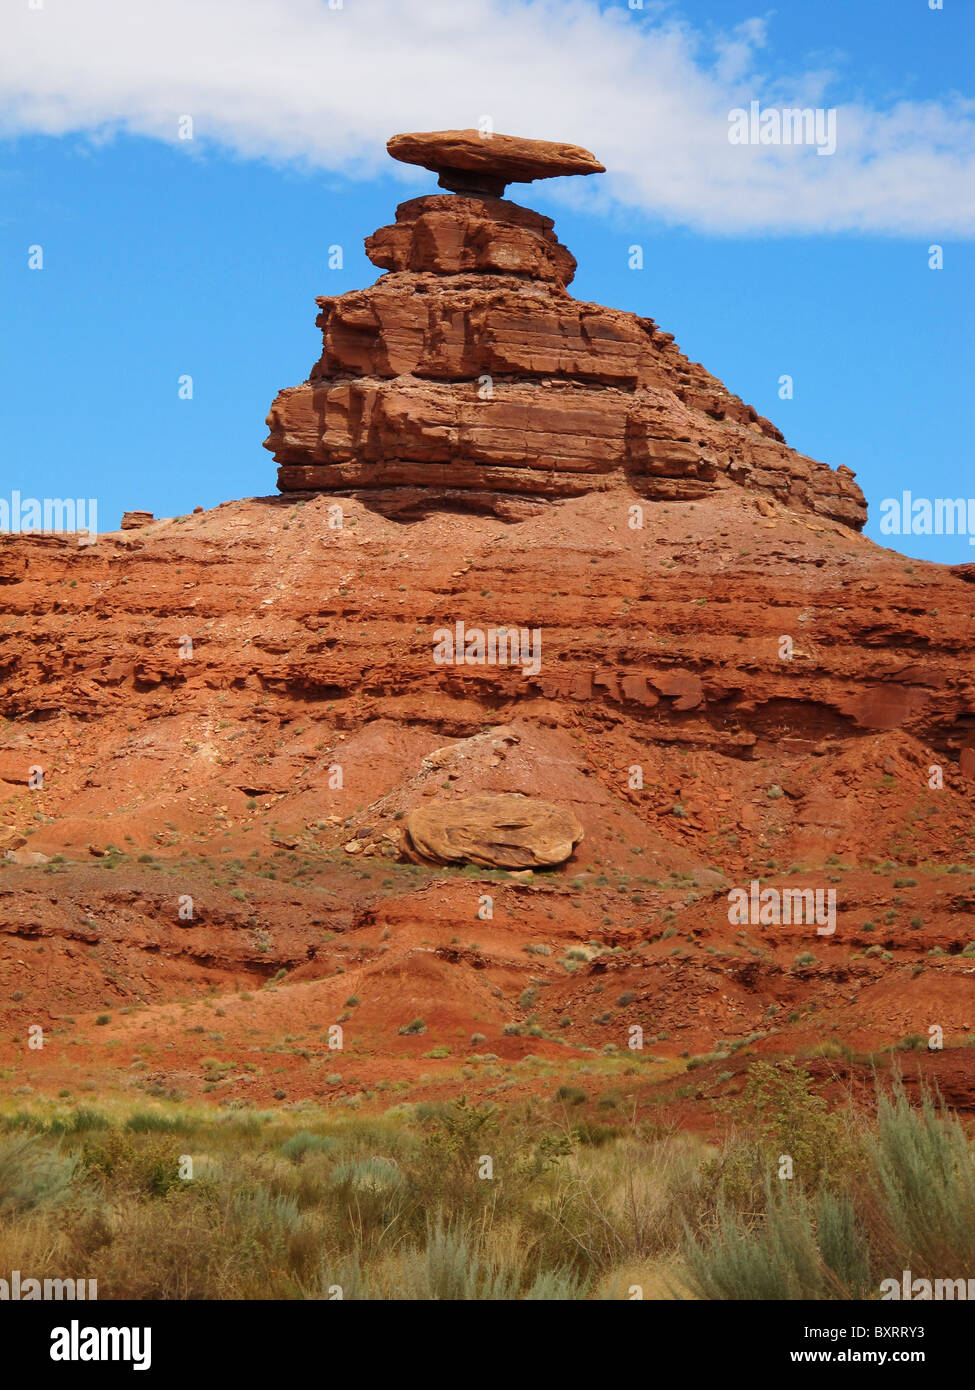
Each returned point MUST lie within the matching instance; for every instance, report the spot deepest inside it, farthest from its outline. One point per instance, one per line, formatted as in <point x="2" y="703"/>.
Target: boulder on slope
<point x="495" y="831"/>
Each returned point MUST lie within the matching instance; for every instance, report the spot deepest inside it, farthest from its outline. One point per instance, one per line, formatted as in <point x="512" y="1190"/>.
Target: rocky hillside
<point x="219" y="728"/>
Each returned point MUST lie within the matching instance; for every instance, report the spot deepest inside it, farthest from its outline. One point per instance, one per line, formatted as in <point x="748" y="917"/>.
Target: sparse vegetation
<point x="583" y="1211"/>
<point x="416" y="1026"/>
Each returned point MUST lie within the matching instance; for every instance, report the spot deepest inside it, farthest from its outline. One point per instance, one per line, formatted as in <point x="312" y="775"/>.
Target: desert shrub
<point x="151" y="1122"/>
<point x="571" y="1095"/>
<point x="139" y="1163"/>
<point x="551" y="1284"/>
<point x="33" y="1174"/>
<point x="782" y="1115"/>
<point x="595" y="1135"/>
<point x="371" y="1197"/>
<point x="79" y="1122"/>
<point x="455" y="1261"/>
<point x="799" y="1249"/>
<point x="842" y="1244"/>
<point x="449" y="1266"/>
<point x="303" y="1142"/>
<point x="85" y="1119"/>
<point x="925" y="1174"/>
<point x="375" y="1174"/>
<point x="158" y="1250"/>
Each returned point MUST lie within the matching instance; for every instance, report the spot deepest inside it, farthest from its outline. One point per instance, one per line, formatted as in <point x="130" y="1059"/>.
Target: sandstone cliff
<point x="468" y="372"/>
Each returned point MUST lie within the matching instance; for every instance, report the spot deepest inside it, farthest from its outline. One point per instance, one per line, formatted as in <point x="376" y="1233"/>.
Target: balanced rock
<point x="474" y="161"/>
<point x="495" y="831"/>
<point x="469" y="371"/>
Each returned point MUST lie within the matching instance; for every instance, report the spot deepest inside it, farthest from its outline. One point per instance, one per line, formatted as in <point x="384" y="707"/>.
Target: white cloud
<point x="296" y="80"/>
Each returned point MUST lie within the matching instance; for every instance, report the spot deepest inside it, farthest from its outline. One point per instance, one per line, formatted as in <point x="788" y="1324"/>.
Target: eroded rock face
<point x="493" y="831"/>
<point x="448" y="236"/>
<point x="468" y="367"/>
<point x="312" y="649"/>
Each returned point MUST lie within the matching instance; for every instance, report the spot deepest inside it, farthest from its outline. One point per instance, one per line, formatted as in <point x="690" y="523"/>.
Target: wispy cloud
<point x="298" y="80"/>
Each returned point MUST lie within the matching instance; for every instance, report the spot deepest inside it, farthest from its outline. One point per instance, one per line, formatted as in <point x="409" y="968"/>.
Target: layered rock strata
<point x="469" y="373"/>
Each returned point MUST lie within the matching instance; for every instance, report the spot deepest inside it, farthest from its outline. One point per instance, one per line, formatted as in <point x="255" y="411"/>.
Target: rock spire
<point x="468" y="376"/>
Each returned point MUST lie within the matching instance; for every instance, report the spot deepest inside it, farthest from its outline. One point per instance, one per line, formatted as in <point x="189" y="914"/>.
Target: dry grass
<point x="398" y="1207"/>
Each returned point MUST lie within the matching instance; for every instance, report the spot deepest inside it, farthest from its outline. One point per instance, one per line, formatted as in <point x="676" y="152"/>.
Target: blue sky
<point x="165" y="257"/>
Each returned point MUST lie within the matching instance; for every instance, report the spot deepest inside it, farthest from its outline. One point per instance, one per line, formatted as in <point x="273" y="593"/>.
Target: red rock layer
<point x="469" y="367"/>
<point x="208" y="763"/>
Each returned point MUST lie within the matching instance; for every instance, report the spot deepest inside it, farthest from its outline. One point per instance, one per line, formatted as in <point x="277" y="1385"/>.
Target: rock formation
<point x="241" y="709"/>
<point x="494" y="831"/>
<point x="468" y="375"/>
<point x="473" y="161"/>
